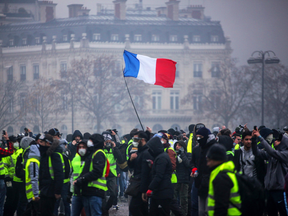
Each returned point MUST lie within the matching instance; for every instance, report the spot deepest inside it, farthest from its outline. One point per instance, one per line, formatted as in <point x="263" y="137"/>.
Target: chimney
<point x="74" y="9"/>
<point x="99" y="8"/>
<point x="47" y="10"/>
<point x="83" y="12"/>
<point x="120" y="9"/>
<point x="161" y="11"/>
<point x="173" y="10"/>
<point x="197" y="12"/>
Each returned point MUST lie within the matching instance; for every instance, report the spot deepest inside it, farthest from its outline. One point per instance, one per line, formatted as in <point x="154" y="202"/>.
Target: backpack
<point x="122" y="148"/>
<point x="19" y="167"/>
<point x="252" y="195"/>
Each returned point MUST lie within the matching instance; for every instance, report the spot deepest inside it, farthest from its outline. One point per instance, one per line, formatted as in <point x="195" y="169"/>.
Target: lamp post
<point x="261" y="59"/>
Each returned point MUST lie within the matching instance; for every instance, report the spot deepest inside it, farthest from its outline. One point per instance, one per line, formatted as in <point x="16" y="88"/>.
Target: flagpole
<point x="132" y="102"/>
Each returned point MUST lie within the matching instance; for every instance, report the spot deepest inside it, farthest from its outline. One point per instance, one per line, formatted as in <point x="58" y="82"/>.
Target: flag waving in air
<point x="156" y="71"/>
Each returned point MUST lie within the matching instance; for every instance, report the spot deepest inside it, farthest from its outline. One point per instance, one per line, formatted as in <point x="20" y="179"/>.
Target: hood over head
<point x="265" y="132"/>
<point x="191" y="128"/>
<point x="155" y="146"/>
<point x="25" y="142"/>
<point x="77" y="133"/>
<point x="283" y="144"/>
<point x="226" y="141"/>
<point x="86" y="136"/>
<point x="181" y="143"/>
<point x="98" y="140"/>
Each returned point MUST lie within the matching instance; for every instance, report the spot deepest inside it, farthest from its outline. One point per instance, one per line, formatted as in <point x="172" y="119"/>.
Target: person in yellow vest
<point x="92" y="181"/>
<point x="51" y="173"/>
<point x="77" y="166"/>
<point x="223" y="192"/>
<point x="4" y="153"/>
<point x="10" y="163"/>
<point x="114" y="155"/>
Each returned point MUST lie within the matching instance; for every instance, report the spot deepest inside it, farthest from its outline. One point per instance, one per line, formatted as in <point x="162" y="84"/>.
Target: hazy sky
<point x="250" y="24"/>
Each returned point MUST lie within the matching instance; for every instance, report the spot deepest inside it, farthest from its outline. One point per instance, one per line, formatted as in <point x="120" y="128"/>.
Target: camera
<point x="3" y="132"/>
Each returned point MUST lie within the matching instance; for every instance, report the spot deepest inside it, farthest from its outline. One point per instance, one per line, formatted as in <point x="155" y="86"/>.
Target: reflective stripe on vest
<point x="28" y="185"/>
<point x="230" y="153"/>
<point x="99" y="183"/>
<point x="189" y="145"/>
<point x="2" y="171"/>
<point x="112" y="161"/>
<point x="173" y="176"/>
<point x="127" y="149"/>
<point x="235" y="198"/>
<point x="77" y="167"/>
<point x="51" y="171"/>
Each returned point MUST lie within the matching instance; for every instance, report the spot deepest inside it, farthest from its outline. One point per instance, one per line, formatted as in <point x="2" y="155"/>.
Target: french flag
<point x="156" y="71"/>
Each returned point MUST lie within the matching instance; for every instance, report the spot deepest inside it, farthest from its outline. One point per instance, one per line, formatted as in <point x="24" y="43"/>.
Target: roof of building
<point x="18" y="1"/>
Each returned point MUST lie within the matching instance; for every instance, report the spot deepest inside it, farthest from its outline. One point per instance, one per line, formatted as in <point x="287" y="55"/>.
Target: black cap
<point x="54" y="132"/>
<point x="217" y="152"/>
<point x="47" y="138"/>
<point x="13" y="138"/>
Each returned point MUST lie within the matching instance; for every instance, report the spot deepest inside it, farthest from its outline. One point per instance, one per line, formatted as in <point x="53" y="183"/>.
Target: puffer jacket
<point x="183" y="169"/>
<point x="277" y="166"/>
<point x="161" y="171"/>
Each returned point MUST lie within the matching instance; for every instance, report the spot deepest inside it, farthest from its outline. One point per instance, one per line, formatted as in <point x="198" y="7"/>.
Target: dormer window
<point x="65" y="38"/>
<point x="24" y="41"/>
<point x="96" y="37"/>
<point x="155" y="38"/>
<point x="137" y="37"/>
<point x="214" y="38"/>
<point x="37" y="40"/>
<point x="196" y="38"/>
<point x="173" y="38"/>
<point x="11" y="42"/>
<point x="114" y="37"/>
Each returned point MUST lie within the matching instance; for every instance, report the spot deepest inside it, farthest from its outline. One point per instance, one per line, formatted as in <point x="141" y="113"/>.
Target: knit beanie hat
<point x="265" y="132"/>
<point x="203" y="132"/>
<point x="25" y="142"/>
<point x="217" y="152"/>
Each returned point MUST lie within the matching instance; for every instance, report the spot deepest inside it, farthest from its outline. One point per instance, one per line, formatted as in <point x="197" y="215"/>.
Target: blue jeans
<point x="92" y="205"/>
<point x="77" y="205"/>
<point x="194" y="200"/>
<point x="64" y="194"/>
<point x="2" y="195"/>
<point x="121" y="182"/>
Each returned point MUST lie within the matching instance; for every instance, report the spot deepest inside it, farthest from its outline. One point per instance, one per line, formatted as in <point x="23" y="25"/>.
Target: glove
<point x="149" y="193"/>
<point x="80" y="181"/>
<point x="194" y="169"/>
<point x="150" y="163"/>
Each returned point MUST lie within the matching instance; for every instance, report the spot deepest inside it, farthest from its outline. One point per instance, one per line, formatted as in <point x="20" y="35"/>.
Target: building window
<point x="35" y="72"/>
<point x="197" y="101"/>
<point x="155" y="38"/>
<point x="22" y="72"/>
<point x="10" y="74"/>
<point x="215" y="100"/>
<point x="174" y="100"/>
<point x="197" y="69"/>
<point x="173" y="38"/>
<point x="11" y="42"/>
<point x="114" y="37"/>
<point x="63" y="69"/>
<point x="22" y="99"/>
<point x="24" y="41"/>
<point x="37" y="40"/>
<point x="65" y="38"/>
<point x="215" y="69"/>
<point x="137" y="37"/>
<point x="196" y="38"/>
<point x="156" y="100"/>
<point x="214" y="38"/>
<point x="157" y="127"/>
<point x="11" y="105"/>
<point x="96" y="37"/>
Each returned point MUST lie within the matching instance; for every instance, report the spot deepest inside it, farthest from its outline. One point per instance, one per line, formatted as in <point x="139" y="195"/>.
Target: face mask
<point x="43" y="149"/>
<point x="135" y="144"/>
<point x="82" y="152"/>
<point x="269" y="138"/>
<point x="16" y="145"/>
<point x="90" y="143"/>
<point x="162" y="141"/>
<point x="198" y="138"/>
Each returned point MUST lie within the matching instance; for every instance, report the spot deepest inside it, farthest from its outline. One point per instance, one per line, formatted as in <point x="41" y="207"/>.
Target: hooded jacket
<point x="161" y="171"/>
<point x="183" y="169"/>
<point x="73" y="148"/>
<point x="47" y="186"/>
<point x="33" y="167"/>
<point x="202" y="180"/>
<point x="277" y="166"/>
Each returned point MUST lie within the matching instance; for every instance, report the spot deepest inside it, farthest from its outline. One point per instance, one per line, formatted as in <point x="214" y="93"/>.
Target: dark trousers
<point x="276" y="202"/>
<point x="137" y="206"/>
<point x="12" y="197"/>
<point x="32" y="209"/>
<point x="22" y="200"/>
<point x="164" y="210"/>
<point x="47" y="205"/>
<point x="64" y="195"/>
<point x="181" y="193"/>
<point x="194" y="200"/>
<point x="111" y="185"/>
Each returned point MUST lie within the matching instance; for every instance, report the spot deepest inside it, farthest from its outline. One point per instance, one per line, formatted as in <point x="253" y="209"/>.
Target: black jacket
<point x="202" y="180"/>
<point x="97" y="172"/>
<point x="183" y="169"/>
<point x="161" y="171"/>
<point x="47" y="186"/>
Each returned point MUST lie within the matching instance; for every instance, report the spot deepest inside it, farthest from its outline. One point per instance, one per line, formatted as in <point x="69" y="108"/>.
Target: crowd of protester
<point x="170" y="172"/>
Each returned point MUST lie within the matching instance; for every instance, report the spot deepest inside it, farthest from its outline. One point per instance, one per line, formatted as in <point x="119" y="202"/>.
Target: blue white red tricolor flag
<point x="156" y="71"/>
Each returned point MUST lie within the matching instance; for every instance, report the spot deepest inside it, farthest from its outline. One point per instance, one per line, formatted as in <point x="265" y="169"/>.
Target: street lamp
<point x="261" y="59"/>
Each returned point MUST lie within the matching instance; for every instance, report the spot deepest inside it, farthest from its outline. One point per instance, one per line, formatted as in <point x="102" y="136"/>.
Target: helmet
<point x="285" y="129"/>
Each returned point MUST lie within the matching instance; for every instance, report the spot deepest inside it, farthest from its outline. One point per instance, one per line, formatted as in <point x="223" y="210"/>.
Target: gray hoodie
<point x="277" y="165"/>
<point x="34" y="169"/>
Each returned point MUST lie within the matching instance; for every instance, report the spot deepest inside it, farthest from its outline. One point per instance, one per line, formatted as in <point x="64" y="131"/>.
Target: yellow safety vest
<point x="112" y="161"/>
<point x="189" y="145"/>
<point x="10" y="162"/>
<point x="127" y="149"/>
<point x="51" y="171"/>
<point x="28" y="185"/>
<point x="77" y="168"/>
<point x="174" y="176"/>
<point x="235" y="198"/>
<point x="21" y="151"/>
<point x="99" y="183"/>
<point x="2" y="169"/>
